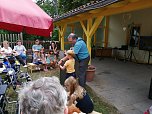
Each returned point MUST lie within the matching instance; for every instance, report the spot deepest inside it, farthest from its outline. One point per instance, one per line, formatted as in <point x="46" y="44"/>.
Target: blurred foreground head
<point x="43" y="96"/>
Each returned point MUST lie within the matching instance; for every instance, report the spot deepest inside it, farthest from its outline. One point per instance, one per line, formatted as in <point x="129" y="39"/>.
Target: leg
<point x="23" y="56"/>
<point x="20" y="60"/>
<point x="77" y="69"/>
<point x="82" y="71"/>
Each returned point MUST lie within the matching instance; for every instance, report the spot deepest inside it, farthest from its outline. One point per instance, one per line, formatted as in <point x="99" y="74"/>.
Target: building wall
<point x="117" y="36"/>
<point x="68" y="31"/>
<point x="79" y="31"/>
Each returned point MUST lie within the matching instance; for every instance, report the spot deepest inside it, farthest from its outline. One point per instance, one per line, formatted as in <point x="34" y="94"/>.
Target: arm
<point x="62" y="60"/>
<point x="15" y="50"/>
<point x="42" y="48"/>
<point x="62" y="67"/>
<point x="72" y="99"/>
<point x="24" y="49"/>
<point x="33" y="48"/>
<point x="55" y="48"/>
<point x="65" y="65"/>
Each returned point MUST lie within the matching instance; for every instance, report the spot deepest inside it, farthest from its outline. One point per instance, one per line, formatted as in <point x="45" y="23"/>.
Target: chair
<point x="29" y="55"/>
<point x="31" y="67"/>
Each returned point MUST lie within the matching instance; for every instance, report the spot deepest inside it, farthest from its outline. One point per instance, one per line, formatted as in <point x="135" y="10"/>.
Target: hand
<point x="60" y="62"/>
<point x="14" y="51"/>
<point x="39" y="59"/>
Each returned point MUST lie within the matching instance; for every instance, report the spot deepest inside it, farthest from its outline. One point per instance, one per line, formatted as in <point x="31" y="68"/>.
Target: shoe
<point x="39" y="68"/>
<point x="28" y="79"/>
<point x="36" y="68"/>
<point x="25" y="66"/>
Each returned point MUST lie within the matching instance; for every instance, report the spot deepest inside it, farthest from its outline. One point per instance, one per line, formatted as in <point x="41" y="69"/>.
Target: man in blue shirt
<point x="81" y="55"/>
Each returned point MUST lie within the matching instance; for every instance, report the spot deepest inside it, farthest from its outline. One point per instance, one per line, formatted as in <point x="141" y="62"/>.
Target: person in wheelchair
<point x="10" y="55"/>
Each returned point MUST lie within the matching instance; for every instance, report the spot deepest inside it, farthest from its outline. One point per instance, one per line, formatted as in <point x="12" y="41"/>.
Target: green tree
<point x="49" y="6"/>
<point x="67" y="5"/>
<point x="55" y="34"/>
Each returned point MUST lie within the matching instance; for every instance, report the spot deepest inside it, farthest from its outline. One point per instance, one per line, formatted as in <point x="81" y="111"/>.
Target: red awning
<point x="24" y="15"/>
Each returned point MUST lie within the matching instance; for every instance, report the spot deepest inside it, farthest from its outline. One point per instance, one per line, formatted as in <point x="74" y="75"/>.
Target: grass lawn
<point x="99" y="104"/>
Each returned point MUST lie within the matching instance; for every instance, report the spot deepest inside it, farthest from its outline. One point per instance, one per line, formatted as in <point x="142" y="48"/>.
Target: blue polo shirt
<point x="80" y="49"/>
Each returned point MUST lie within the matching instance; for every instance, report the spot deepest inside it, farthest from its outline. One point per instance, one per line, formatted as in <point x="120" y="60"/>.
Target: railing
<point x="11" y="38"/>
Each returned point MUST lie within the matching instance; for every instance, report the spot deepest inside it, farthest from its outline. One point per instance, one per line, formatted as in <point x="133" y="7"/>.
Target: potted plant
<point x="90" y="73"/>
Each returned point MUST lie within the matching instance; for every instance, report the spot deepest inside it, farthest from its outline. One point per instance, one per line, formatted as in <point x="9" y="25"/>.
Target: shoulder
<point x="72" y="60"/>
<point x="9" y="48"/>
<point x="34" y="45"/>
<point x="67" y="62"/>
<point x="2" y="48"/>
<point x="79" y="41"/>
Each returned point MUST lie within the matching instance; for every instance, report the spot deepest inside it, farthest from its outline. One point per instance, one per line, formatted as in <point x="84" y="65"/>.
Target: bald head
<point x="72" y="38"/>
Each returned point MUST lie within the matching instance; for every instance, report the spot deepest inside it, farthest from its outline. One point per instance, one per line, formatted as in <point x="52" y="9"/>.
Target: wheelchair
<point x="10" y="68"/>
<point x="5" y="102"/>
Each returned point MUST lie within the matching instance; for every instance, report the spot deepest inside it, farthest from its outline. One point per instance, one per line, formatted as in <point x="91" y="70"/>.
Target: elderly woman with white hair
<point x="43" y="96"/>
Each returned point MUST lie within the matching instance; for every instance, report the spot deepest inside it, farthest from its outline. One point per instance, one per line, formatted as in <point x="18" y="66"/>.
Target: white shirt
<point x="19" y="49"/>
<point x="6" y="51"/>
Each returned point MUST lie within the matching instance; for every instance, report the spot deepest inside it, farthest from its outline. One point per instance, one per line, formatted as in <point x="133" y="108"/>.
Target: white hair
<point x="43" y="96"/>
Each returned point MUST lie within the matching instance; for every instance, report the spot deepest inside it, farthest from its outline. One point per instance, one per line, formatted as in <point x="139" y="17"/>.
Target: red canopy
<point x="24" y="15"/>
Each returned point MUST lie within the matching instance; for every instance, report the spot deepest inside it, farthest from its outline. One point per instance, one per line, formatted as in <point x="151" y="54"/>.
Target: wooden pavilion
<point x="91" y="15"/>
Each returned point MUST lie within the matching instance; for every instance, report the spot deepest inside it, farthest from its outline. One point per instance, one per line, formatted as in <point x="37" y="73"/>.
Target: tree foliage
<point x="53" y="7"/>
<point x="67" y="5"/>
<point x="49" y="6"/>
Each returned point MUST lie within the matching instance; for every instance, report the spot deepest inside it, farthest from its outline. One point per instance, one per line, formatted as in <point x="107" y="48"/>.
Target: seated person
<point x="51" y="59"/>
<point x="43" y="96"/>
<point x="53" y="47"/>
<point x="2" y="66"/>
<point x="43" y="60"/>
<point x="37" y="59"/>
<point x="7" y="51"/>
<point x="78" y="94"/>
<point x="37" y="46"/>
<point x="20" y="50"/>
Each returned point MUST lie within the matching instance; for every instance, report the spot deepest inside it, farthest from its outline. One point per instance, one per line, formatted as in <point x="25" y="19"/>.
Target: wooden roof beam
<point x="127" y="8"/>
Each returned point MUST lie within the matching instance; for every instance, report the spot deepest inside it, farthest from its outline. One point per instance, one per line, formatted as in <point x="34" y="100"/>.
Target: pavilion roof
<point x="84" y="8"/>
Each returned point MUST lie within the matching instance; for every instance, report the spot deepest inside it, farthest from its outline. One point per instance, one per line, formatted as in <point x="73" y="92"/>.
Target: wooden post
<point x="95" y="38"/>
<point x="90" y="30"/>
<point x="106" y="31"/>
<point x="62" y="29"/>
